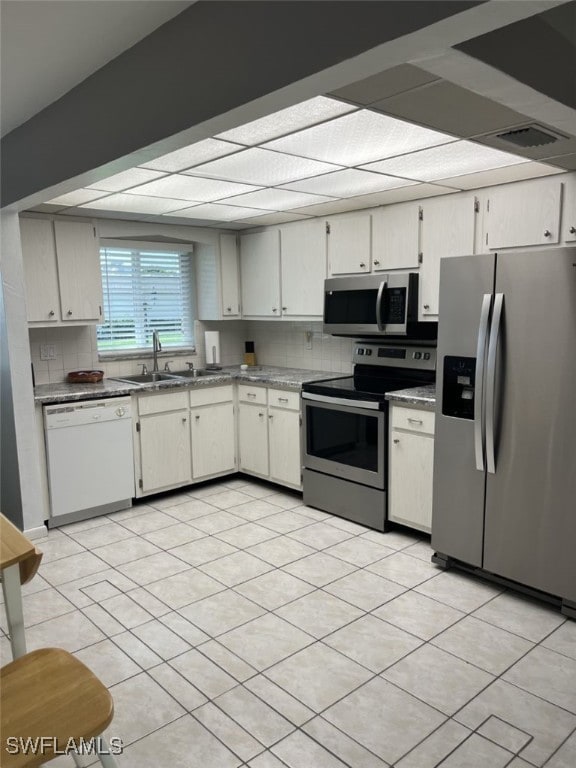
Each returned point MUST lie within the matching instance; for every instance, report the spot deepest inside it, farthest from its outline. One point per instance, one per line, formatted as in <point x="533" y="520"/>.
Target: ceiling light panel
<point x="287" y="120"/>
<point x="77" y="197"/>
<point x="136" y="204"/>
<point x="278" y="199"/>
<point x="263" y="168"/>
<point x="200" y="152"/>
<point x="217" y="212"/>
<point x="348" y="183"/>
<point x="121" y="181"/>
<point x="360" y="137"/>
<point x="446" y="162"/>
<point x="194" y="188"/>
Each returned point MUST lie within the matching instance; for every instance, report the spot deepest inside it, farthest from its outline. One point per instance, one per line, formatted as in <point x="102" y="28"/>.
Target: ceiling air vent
<point x="530" y="136"/>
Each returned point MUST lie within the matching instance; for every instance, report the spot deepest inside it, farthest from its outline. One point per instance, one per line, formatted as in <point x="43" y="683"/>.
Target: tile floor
<point x="237" y="627"/>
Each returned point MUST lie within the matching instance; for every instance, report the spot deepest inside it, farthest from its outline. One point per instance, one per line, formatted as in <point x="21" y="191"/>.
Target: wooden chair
<point x="49" y="692"/>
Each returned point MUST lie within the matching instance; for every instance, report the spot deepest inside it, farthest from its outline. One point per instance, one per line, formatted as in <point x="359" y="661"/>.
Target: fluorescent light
<point x="200" y="152"/>
<point x="263" y="168"/>
<point x="135" y="204"/>
<point x="195" y="188"/>
<point x="348" y="183"/>
<point x="457" y="159"/>
<point x="121" y="181"/>
<point x="217" y="212"/>
<point x="358" y="138"/>
<point x="77" y="197"/>
<point x="287" y="120"/>
<point x="277" y="199"/>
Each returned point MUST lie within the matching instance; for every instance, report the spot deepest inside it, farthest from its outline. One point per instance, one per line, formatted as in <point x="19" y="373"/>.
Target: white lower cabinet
<point x="411" y="458"/>
<point x="253" y="438"/>
<point x="164" y="451"/>
<point x="284" y="446"/>
<point x="212" y="440"/>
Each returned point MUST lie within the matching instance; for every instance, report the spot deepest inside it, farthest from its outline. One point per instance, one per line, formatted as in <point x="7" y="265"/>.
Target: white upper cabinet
<point x="62" y="272"/>
<point x="303" y="257"/>
<point x="217" y="279"/>
<point x="448" y="228"/>
<point x="396" y="237"/>
<point x="260" y="270"/>
<point x="229" y="276"/>
<point x="524" y="214"/>
<point x="349" y="244"/>
<point x="569" y="209"/>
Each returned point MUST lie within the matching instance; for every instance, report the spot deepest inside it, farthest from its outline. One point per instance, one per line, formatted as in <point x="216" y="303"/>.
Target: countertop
<point x="423" y="397"/>
<point x="265" y="375"/>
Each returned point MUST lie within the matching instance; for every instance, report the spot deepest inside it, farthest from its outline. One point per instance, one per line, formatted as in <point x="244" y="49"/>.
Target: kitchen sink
<point x="195" y="373"/>
<point x="145" y="378"/>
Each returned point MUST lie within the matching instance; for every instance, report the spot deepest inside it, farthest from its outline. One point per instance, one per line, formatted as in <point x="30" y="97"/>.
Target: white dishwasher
<point x="89" y="457"/>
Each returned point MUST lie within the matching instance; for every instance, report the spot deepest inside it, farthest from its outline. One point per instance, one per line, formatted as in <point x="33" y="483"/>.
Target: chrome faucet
<point x="156" y="347"/>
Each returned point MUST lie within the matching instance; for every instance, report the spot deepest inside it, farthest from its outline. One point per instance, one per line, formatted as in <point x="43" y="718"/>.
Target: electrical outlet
<point x="47" y="352"/>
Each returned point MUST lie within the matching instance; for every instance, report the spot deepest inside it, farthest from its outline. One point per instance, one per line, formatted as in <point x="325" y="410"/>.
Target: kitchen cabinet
<point x="62" y="272"/>
<point x="212" y="431"/>
<point x="524" y="214"/>
<point x="569" y="209"/>
<point x="218" y="279"/>
<point x="396" y="237"/>
<point x="349" y="244"/>
<point x="260" y="271"/>
<point x="448" y="229"/>
<point x="253" y="439"/>
<point x="411" y="458"/>
<point x="303" y="268"/>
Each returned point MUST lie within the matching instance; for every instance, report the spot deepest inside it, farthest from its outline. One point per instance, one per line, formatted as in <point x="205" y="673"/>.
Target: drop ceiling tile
<point x="448" y="107"/>
<point x="502" y="175"/>
<point x="287" y="120"/>
<point x="279" y="217"/>
<point x="388" y="83"/>
<point x="348" y="183"/>
<point x="277" y="199"/>
<point x="216" y="212"/>
<point x="566" y="162"/>
<point x="77" y="197"/>
<point x="121" y="181"/>
<point x="193" y="188"/>
<point x="135" y="204"/>
<point x="457" y="159"/>
<point x="200" y="152"/>
<point x="358" y="138"/>
<point x="263" y="168"/>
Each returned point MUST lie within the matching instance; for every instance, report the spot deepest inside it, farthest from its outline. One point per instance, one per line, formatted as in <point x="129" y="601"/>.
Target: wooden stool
<point x="50" y="693"/>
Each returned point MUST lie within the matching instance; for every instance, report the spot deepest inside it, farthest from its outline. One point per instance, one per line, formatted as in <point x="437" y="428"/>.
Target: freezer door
<point x="458" y="496"/>
<point x="530" y="529"/>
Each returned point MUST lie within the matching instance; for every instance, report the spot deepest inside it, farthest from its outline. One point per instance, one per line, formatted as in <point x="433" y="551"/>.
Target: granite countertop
<point x="265" y="375"/>
<point x="423" y="397"/>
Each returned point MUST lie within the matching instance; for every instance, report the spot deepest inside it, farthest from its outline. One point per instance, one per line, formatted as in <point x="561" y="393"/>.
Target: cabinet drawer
<point x="209" y="395"/>
<point x="280" y="398"/>
<point x="252" y="394"/>
<point x="414" y="419"/>
<point x="171" y="401"/>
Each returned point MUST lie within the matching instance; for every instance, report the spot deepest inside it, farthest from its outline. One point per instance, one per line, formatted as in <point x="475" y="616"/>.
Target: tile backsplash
<point x="286" y="344"/>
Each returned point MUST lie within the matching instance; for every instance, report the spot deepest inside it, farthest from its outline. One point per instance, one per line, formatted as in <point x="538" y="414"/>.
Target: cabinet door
<point x="349" y="245"/>
<point x="284" y="439"/>
<point x="229" y="276"/>
<point x="396" y="237"/>
<point x="165" y="450"/>
<point x="212" y="440"/>
<point x="253" y="438"/>
<point x="524" y="214"/>
<point x="40" y="271"/>
<point x="78" y="271"/>
<point x="569" y="209"/>
<point x="448" y="228"/>
<point x="260" y="272"/>
<point x="411" y="466"/>
<point x="303" y="256"/>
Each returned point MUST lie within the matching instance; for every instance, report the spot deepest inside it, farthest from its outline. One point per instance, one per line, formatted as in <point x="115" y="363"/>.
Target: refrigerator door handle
<point x="491" y="382"/>
<point x="381" y="289"/>
<point x="479" y="436"/>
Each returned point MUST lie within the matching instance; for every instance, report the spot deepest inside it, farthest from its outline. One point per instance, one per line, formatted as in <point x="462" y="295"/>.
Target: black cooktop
<point x="371" y="386"/>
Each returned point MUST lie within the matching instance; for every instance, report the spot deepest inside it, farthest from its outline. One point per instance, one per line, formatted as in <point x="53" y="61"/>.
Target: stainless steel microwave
<point x="375" y="305"/>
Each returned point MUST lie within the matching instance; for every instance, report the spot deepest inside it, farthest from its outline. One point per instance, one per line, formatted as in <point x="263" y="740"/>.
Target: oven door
<point x="346" y="441"/>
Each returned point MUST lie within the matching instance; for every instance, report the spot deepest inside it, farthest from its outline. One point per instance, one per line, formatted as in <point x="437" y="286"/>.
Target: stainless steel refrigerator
<point x="505" y="448"/>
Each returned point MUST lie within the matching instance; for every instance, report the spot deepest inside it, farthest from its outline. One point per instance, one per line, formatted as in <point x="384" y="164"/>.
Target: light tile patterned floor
<point x="237" y="627"/>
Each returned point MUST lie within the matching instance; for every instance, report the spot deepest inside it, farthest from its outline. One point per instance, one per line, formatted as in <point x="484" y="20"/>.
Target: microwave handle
<point x="381" y="289"/>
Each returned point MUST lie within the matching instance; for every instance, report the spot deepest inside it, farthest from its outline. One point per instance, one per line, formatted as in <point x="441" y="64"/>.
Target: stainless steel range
<point x="345" y="429"/>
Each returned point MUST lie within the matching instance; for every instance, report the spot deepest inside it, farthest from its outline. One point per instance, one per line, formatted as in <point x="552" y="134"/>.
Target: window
<point x="145" y="289"/>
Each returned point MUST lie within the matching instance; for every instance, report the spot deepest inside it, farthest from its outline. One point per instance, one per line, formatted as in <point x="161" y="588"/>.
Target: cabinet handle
<point x="270" y="416"/>
<point x="284" y="309"/>
<point x="547" y="233"/>
<point x="274" y="309"/>
<point x="282" y="399"/>
<point x="415" y="421"/>
<point x="250" y="394"/>
<point x="426" y="306"/>
<point x="69" y="312"/>
<point x="51" y="313"/>
<point x="184" y="420"/>
<point x="572" y="230"/>
<point x="260" y="414"/>
<point x="396" y="440"/>
<point x="362" y="265"/>
<point x="228" y="309"/>
<point x="376" y="263"/>
<point x="197" y="417"/>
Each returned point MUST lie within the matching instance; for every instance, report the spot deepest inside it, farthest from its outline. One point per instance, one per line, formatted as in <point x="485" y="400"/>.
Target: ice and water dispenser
<point x="458" y="389"/>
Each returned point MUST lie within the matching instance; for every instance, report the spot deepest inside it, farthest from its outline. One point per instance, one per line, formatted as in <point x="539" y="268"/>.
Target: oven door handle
<point x="380" y="296"/>
<point x="367" y="404"/>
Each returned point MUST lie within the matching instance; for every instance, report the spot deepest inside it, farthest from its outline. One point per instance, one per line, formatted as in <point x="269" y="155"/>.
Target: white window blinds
<point x="145" y="289"/>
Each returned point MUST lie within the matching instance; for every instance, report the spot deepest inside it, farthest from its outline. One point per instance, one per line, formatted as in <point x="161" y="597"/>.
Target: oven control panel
<point x="395" y="355"/>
